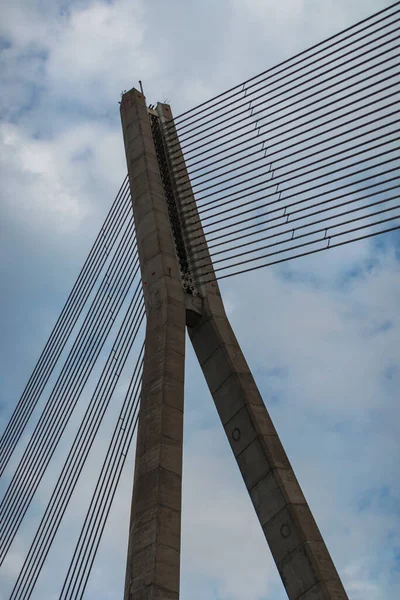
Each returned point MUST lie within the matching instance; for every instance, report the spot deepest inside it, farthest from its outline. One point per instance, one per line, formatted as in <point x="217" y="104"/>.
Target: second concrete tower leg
<point x="300" y="553"/>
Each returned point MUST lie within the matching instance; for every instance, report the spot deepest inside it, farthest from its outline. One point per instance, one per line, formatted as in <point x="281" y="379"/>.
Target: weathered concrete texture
<point x="296" y="544"/>
<point x="302" y="558"/>
<point x="155" y="527"/>
<point x="196" y="245"/>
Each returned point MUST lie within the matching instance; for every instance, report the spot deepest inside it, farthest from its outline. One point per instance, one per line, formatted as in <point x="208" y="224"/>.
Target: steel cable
<point x="288" y="212"/>
<point x="80" y="448"/>
<point x="301" y="125"/>
<point x="255" y="125"/>
<point x="187" y="200"/>
<point x="293" y="61"/>
<point x="73" y="377"/>
<point x="317" y="152"/>
<point x="249" y="110"/>
<point x="98" y="511"/>
<point x="302" y="254"/>
<point x="280" y="180"/>
<point x="20" y="505"/>
<point x="292" y="231"/>
<point x="292" y="153"/>
<point x="189" y="235"/>
<point x="296" y="142"/>
<point x="55" y="336"/>
<point x="245" y="101"/>
<point x="87" y="278"/>
<point x="41" y="451"/>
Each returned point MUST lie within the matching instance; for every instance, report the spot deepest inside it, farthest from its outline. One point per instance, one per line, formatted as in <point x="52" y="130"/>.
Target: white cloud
<point x="222" y="539"/>
<point x="323" y="344"/>
<point x="96" y="48"/>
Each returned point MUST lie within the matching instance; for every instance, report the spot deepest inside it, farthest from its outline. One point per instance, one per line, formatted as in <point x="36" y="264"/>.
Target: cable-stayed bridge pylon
<point x="295" y="161"/>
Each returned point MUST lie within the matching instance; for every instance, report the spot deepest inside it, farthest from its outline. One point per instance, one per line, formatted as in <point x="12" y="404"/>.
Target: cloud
<point x="231" y="551"/>
<point x="321" y="334"/>
<point x="94" y="48"/>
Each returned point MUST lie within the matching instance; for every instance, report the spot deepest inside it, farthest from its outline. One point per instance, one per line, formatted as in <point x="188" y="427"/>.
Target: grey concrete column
<point x="302" y="558"/>
<point x="153" y="563"/>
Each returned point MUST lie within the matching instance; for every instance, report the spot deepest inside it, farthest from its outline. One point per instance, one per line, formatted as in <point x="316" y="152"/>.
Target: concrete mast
<point x="175" y="294"/>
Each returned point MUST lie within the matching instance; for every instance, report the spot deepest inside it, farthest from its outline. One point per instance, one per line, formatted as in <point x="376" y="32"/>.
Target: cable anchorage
<point x="188" y="281"/>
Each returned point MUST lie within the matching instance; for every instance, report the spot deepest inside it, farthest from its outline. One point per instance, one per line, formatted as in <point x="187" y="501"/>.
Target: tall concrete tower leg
<point x="153" y="563"/>
<point x="302" y="558"/>
<point x="300" y="553"/>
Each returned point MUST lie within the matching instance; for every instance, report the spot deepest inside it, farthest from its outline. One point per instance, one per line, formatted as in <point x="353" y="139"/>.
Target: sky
<point x="322" y="335"/>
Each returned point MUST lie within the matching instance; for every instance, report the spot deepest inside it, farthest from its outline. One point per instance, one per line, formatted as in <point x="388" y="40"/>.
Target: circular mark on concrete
<point x="285" y="530"/>
<point x="236" y="434"/>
